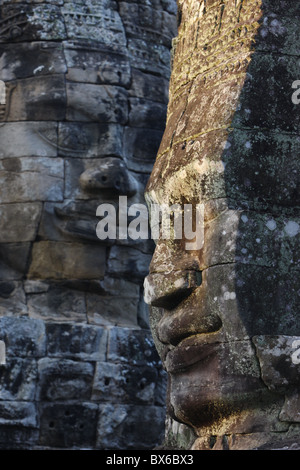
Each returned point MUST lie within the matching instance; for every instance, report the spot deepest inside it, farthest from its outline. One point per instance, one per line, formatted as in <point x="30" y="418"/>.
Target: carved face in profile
<point x="224" y="316"/>
<point x="72" y="137"/>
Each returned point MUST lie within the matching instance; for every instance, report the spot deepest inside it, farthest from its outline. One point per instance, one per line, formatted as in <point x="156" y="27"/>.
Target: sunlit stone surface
<point x="229" y="340"/>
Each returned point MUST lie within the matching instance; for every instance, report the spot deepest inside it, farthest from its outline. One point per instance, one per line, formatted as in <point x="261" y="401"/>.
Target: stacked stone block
<point x="86" y="91"/>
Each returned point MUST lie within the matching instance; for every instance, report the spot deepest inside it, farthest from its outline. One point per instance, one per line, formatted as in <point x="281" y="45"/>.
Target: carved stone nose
<point x="110" y="175"/>
<point x="167" y="291"/>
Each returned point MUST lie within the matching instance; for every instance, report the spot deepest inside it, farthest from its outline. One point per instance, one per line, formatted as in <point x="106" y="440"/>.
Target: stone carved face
<point x="72" y="137"/>
<point x="225" y="318"/>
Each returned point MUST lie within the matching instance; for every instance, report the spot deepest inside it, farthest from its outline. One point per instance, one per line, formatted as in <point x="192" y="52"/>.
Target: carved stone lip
<point x="190" y="319"/>
<point x="83" y="230"/>
<point x="190" y="351"/>
<point x="71" y="224"/>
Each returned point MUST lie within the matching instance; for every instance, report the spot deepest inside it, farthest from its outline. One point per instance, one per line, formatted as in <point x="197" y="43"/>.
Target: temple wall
<point x="85" y="96"/>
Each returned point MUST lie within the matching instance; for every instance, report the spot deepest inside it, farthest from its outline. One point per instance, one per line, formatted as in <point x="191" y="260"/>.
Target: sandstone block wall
<point x="86" y="91"/>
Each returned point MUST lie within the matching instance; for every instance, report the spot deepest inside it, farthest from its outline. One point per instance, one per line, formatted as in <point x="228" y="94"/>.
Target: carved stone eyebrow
<point x="66" y="148"/>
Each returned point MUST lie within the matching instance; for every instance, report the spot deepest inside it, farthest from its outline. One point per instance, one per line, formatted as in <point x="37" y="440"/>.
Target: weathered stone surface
<point x="18" y="414"/>
<point x="62" y="260"/>
<point x="23" y="337"/>
<point x="279" y="370"/>
<point x="13" y="260"/>
<point x="246" y="381"/>
<point x="144" y="113"/>
<point x="38" y="99"/>
<point x="2" y="353"/>
<point x="55" y="302"/>
<point x="84" y="342"/>
<point x="231" y="296"/>
<point x="62" y="379"/>
<point x="276" y="110"/>
<point x="90" y="140"/>
<point x="122" y="384"/>
<point x="18" y="438"/>
<point x="12" y="298"/>
<point x="160" y="25"/>
<point x="230" y="144"/>
<point x="36" y="287"/>
<point x="140" y="146"/>
<point x="18" y="380"/>
<point x="143" y="312"/>
<point x="254" y="176"/>
<point x="51" y="2"/>
<point x="69" y="220"/>
<point x="263" y="239"/>
<point x="98" y="22"/>
<point x="112" y="310"/>
<point x="83" y="95"/>
<point x="28" y="139"/>
<point x="149" y="57"/>
<point x="133" y="346"/>
<point x="118" y="421"/>
<point x="144" y="84"/>
<point x="279" y="32"/>
<point x="99" y="103"/>
<point x="31" y="179"/>
<point x="290" y="410"/>
<point x="31" y="59"/>
<point x="128" y="263"/>
<point x="115" y="287"/>
<point x="253" y="441"/>
<point x="31" y="23"/>
<point x="68" y="425"/>
<point x="97" y="65"/>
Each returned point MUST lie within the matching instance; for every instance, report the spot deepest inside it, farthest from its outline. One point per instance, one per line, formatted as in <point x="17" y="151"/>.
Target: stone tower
<point x="83" y="97"/>
<point x="225" y="315"/>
